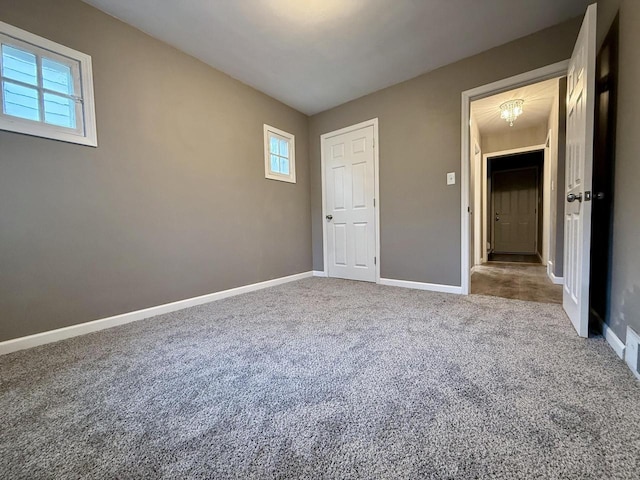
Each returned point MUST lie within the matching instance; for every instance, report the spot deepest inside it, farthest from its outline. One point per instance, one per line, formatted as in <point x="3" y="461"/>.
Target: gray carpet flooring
<point x="325" y="379"/>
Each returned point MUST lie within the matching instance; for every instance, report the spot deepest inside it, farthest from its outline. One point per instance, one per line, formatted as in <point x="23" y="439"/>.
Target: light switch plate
<point x="631" y="352"/>
<point x="451" y="178"/>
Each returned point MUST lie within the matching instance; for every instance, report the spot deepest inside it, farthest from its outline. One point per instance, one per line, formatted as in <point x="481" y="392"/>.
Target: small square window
<point x="279" y="155"/>
<point x="46" y="89"/>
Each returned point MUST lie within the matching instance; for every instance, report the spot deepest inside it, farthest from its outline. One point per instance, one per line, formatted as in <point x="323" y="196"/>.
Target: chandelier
<point x="511" y="110"/>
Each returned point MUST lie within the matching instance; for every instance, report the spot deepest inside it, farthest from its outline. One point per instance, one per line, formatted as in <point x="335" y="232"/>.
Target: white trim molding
<point x="432" y="287"/>
<point x="552" y="276"/>
<point x="51" y="336"/>
<point x="545" y="73"/>
<point x="612" y="339"/>
<point x="631" y="354"/>
<point x="318" y="273"/>
<point x="556" y="280"/>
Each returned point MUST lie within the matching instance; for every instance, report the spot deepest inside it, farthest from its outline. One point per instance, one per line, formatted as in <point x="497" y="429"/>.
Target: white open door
<point x="579" y="165"/>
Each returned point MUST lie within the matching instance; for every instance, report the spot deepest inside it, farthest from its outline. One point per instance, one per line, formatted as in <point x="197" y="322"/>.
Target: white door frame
<point x="547" y="199"/>
<point x="376" y="164"/>
<point x="555" y="70"/>
<point x="478" y="208"/>
<point x="485" y="190"/>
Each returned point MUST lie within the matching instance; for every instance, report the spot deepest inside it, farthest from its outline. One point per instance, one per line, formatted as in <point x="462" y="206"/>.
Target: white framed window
<point x="46" y="89"/>
<point x="279" y="155"/>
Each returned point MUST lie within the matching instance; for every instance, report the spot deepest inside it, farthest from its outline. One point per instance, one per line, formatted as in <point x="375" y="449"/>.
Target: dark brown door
<point x="515" y="197"/>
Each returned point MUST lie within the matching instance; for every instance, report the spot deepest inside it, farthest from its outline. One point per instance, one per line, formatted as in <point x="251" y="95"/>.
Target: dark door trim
<point x="603" y="180"/>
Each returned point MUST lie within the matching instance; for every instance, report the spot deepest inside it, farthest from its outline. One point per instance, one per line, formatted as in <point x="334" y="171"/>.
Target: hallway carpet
<point x="515" y="280"/>
<point x="330" y="379"/>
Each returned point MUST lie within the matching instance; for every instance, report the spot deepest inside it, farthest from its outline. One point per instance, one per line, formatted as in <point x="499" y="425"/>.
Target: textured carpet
<point x="325" y="379"/>
<point x="515" y="280"/>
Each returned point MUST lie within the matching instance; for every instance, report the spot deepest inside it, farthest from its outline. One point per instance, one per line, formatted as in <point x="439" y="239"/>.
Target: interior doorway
<point x="516" y="213"/>
<point x="514" y="193"/>
<point x="514" y="224"/>
<point x="580" y="95"/>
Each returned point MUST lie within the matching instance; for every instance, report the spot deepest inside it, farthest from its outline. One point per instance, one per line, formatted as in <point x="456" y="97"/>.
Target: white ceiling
<point x="538" y="101"/>
<point x="317" y="54"/>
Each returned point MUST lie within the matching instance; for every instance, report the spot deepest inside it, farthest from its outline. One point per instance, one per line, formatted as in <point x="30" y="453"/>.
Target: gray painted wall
<point x="512" y="139"/>
<point x="172" y="204"/>
<point x="419" y="143"/>
<point x="625" y="288"/>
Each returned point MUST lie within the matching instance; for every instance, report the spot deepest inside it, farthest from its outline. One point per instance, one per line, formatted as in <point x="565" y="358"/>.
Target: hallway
<point x="516" y="281"/>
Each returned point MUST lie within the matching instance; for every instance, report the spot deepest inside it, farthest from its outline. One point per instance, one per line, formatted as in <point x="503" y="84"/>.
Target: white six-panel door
<point x="349" y="204"/>
<point x="579" y="163"/>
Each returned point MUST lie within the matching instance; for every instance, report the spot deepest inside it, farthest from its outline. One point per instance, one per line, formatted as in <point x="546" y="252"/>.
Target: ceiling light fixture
<point x="511" y="110"/>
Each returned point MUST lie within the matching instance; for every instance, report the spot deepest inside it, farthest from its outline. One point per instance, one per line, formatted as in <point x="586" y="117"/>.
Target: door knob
<point x="329" y="217"/>
<point x="572" y="198"/>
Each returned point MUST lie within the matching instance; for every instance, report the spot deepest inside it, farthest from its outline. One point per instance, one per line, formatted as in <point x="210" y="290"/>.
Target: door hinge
<point x="373" y="143"/>
<point x="374" y="202"/>
<point x="375" y="260"/>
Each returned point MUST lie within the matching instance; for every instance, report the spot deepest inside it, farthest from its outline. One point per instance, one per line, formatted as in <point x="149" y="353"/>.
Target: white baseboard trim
<point x="51" y="336"/>
<point x="632" y="352"/>
<point x="556" y="280"/>
<point x="552" y="277"/>
<point x="613" y="340"/>
<point x="318" y="273"/>
<point x="432" y="287"/>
